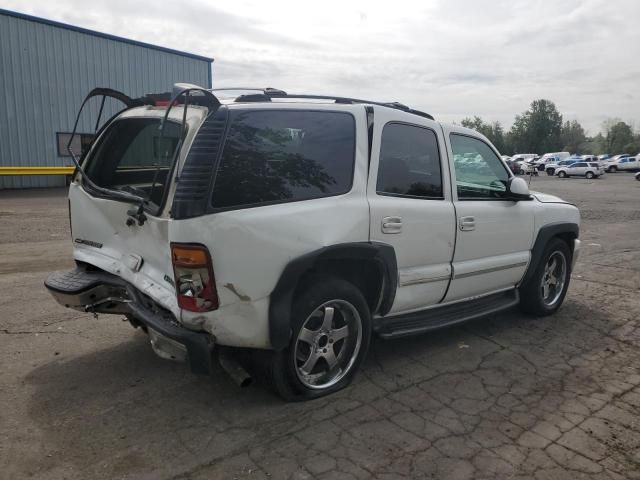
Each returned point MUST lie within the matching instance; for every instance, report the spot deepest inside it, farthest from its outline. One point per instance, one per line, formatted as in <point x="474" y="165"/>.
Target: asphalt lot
<point x="505" y="397"/>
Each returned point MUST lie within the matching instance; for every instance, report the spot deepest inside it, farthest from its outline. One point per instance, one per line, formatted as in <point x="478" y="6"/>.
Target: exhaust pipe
<point x="238" y="374"/>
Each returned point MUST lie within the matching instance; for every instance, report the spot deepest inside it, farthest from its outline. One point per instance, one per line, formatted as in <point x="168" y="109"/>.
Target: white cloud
<point x="452" y="58"/>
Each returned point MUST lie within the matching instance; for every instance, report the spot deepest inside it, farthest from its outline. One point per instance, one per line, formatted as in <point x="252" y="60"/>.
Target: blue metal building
<point x="46" y="69"/>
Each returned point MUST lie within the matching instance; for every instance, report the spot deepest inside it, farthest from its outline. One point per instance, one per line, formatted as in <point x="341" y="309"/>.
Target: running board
<point x="444" y="316"/>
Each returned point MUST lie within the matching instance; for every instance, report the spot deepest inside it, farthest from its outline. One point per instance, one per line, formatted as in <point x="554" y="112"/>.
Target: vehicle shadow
<point x="125" y="408"/>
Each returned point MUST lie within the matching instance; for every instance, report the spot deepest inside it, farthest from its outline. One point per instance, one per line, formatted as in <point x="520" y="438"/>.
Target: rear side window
<point x="409" y="162"/>
<point x="273" y="156"/>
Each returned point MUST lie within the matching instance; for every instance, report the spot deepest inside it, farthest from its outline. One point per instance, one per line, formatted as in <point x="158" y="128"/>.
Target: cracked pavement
<point x="504" y="397"/>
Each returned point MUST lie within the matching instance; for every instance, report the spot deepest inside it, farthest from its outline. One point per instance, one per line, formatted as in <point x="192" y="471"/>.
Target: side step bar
<point x="444" y="316"/>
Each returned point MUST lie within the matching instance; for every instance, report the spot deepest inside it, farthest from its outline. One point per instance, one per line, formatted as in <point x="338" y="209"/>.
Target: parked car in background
<point x="558" y="155"/>
<point x="519" y="158"/>
<point x="543" y="161"/>
<point x="552" y="167"/>
<point x="628" y="163"/>
<point x="604" y="156"/>
<point x="613" y="163"/>
<point x="580" y="169"/>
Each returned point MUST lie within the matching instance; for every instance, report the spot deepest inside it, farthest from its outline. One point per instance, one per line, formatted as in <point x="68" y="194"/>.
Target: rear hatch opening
<point x="135" y="156"/>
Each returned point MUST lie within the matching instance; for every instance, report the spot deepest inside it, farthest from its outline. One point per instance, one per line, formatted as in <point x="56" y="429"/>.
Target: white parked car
<point x="613" y="163"/>
<point x="626" y="164"/>
<point x="297" y="227"/>
<point x="552" y="167"/>
<point x="580" y="169"/>
<point x="549" y="158"/>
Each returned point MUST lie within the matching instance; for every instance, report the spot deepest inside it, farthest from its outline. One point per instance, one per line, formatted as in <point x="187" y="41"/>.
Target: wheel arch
<point x="371" y="266"/>
<point x="567" y="231"/>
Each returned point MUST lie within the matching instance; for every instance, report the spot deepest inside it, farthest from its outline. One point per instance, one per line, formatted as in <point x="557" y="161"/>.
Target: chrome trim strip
<point x="418" y="281"/>
<point x="489" y="270"/>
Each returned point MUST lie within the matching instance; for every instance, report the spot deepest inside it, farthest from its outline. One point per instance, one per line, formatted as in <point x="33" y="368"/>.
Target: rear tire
<point x="544" y="292"/>
<point x="331" y="332"/>
<point x="589" y="175"/>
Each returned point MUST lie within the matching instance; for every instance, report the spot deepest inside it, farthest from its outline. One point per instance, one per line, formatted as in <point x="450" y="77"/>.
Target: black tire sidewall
<point x="319" y="290"/>
<point x="530" y="293"/>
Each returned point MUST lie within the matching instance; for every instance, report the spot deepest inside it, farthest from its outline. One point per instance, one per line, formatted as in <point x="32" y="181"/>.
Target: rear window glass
<point x="273" y="156"/>
<point x="133" y="156"/>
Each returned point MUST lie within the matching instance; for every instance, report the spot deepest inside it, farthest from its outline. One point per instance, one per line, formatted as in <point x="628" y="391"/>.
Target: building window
<point x="80" y="144"/>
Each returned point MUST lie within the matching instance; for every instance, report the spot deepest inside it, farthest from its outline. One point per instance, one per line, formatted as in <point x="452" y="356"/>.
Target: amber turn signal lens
<point x="189" y="256"/>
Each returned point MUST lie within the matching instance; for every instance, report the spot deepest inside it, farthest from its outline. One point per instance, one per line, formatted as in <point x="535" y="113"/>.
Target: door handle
<point x="467" y="223"/>
<point x="392" y="225"/>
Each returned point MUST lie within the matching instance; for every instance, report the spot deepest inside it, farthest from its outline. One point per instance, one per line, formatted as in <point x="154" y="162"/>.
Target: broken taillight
<point x="193" y="273"/>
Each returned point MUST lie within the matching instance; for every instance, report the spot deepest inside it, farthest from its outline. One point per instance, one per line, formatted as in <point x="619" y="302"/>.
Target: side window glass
<point x="479" y="172"/>
<point x="275" y="156"/>
<point x="409" y="162"/>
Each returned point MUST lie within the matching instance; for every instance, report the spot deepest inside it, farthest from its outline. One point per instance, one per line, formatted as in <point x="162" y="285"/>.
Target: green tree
<point x="537" y="130"/>
<point x="493" y="131"/>
<point x="573" y="137"/>
<point x="596" y="145"/>
<point x="620" y="137"/>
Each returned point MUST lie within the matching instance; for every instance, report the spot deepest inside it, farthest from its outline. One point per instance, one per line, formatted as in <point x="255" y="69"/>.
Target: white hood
<point x="546" y="198"/>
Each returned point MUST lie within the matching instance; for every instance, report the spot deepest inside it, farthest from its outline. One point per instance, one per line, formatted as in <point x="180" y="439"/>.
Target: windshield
<point x="132" y="156"/>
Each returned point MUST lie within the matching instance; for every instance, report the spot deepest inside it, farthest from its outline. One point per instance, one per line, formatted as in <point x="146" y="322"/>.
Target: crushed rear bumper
<point x="101" y="292"/>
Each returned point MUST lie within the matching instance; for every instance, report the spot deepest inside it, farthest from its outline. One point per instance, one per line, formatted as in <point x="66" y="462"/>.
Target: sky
<point x="451" y="58"/>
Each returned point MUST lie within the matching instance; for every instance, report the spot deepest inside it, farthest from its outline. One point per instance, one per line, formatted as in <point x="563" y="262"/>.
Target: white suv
<point x="580" y="169"/>
<point x="292" y="228"/>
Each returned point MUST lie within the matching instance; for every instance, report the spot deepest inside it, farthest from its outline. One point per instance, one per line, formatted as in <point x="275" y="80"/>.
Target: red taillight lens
<point x="193" y="273"/>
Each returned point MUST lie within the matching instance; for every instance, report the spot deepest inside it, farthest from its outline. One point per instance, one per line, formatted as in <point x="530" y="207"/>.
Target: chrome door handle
<point x="467" y="223"/>
<point x="392" y="225"/>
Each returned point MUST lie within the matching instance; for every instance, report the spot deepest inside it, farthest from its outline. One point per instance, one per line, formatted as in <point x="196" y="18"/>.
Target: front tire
<point x="562" y="174"/>
<point x="613" y="169"/>
<point x="331" y="332"/>
<point x="544" y="292"/>
<point x="550" y="172"/>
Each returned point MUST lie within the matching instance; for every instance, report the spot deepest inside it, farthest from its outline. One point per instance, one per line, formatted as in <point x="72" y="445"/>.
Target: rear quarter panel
<point x="250" y="248"/>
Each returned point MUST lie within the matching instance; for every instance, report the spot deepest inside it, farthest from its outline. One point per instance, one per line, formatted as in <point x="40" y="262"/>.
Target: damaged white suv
<point x="293" y="228"/>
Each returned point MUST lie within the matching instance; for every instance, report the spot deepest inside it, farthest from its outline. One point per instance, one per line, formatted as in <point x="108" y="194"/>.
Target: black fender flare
<point x="546" y="233"/>
<point x="381" y="254"/>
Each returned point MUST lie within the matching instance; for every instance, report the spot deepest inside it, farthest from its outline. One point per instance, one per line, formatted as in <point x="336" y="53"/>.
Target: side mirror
<point x="518" y="189"/>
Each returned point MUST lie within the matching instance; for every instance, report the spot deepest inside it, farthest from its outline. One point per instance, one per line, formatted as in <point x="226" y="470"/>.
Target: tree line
<point x="541" y="129"/>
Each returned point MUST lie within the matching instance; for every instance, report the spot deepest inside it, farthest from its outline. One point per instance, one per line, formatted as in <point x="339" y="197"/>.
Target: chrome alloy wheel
<point x="328" y="344"/>
<point x="554" y="277"/>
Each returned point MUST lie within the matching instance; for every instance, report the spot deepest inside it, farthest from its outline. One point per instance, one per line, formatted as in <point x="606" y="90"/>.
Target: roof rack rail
<point x="266" y="94"/>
